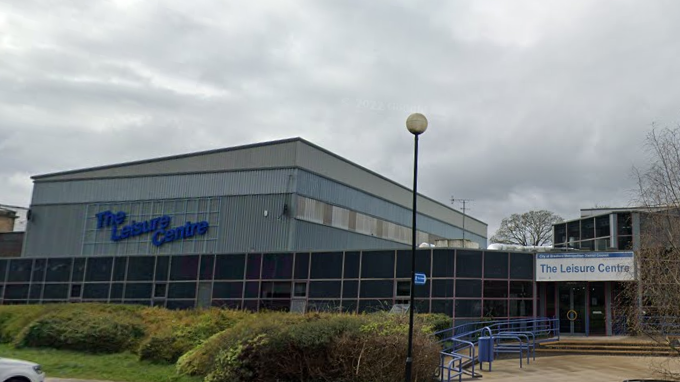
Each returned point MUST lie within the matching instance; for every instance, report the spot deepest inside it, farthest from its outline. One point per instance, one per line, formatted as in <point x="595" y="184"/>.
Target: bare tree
<point x="654" y="299"/>
<point x="529" y="228"/>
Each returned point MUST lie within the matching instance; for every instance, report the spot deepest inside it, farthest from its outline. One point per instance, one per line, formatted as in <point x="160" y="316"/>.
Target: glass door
<point x="598" y="313"/>
<point x="572" y="299"/>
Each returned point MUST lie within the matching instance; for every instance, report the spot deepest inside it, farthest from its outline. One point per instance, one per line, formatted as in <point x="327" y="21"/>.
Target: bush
<point x="85" y="328"/>
<point x="14" y="318"/>
<point x="356" y="348"/>
<point x="436" y="322"/>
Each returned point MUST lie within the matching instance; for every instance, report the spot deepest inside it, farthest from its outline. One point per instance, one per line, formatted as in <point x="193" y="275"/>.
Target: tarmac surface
<point x="573" y="368"/>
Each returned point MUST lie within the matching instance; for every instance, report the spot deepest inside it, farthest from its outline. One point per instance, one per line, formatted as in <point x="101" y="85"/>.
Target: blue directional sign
<point x="421" y="279"/>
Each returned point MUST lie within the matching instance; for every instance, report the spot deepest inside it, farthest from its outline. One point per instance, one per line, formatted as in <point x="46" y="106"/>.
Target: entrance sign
<point x="421" y="279"/>
<point x="589" y="266"/>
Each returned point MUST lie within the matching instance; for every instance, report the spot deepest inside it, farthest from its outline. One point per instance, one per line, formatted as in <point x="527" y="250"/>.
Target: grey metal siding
<point x="320" y="162"/>
<point x="165" y="187"/>
<point x="55" y="231"/>
<point x="326" y="190"/>
<point x="316" y="237"/>
<point x="275" y="155"/>
<point x="245" y="228"/>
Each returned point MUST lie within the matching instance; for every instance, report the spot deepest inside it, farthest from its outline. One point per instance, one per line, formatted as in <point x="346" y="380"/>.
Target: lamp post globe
<point x="416" y="123"/>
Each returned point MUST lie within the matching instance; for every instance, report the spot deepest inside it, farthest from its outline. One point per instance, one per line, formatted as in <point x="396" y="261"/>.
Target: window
<point x="277" y="266"/>
<point x="119" y="268"/>
<point x="301" y="266"/>
<point x="230" y="267"/>
<point x="254" y="262"/>
<point x="442" y="262"/>
<point x="300" y="290"/>
<point x="141" y="268"/>
<point x="20" y="270"/>
<point x="78" y="270"/>
<point x="466" y="308"/>
<point x="352" y="265"/>
<point x="58" y="270"/>
<point x="184" y="267"/>
<point x="252" y="289"/>
<point x="326" y="265"/>
<point x="162" y="268"/>
<point x="521" y="308"/>
<point x="573" y="232"/>
<point x="206" y="269"/>
<point x="138" y="290"/>
<point x="76" y="290"/>
<point x="36" y="290"/>
<point x="521" y="289"/>
<point x="587" y="228"/>
<point x="96" y="291"/>
<point x="159" y="290"/>
<point x="468" y="288"/>
<point x="324" y="289"/>
<point x="350" y="289"/>
<point x="443" y="306"/>
<point x="3" y="271"/>
<point x="403" y="289"/>
<point x="469" y="264"/>
<point x="99" y="269"/>
<point x="116" y="291"/>
<point x="522" y="266"/>
<point x="182" y="290"/>
<point x="38" y="270"/>
<point x="16" y="292"/>
<point x="625" y="224"/>
<point x="377" y="289"/>
<point x="602" y="227"/>
<point x="275" y="290"/>
<point x="495" y="265"/>
<point x="560" y="233"/>
<point x="495" y="289"/>
<point x="377" y="264"/>
<point x="495" y="308"/>
<point x="442" y="288"/>
<point x="55" y="292"/>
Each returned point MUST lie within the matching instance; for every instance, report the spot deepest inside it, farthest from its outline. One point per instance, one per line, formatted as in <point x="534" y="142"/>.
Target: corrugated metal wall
<point x="326" y="190"/>
<point x="55" y="231"/>
<point x="315" y="237"/>
<point x="164" y="187"/>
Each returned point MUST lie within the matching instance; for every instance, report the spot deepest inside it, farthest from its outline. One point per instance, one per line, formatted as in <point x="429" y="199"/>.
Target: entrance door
<point x="572" y="298"/>
<point x="204" y="295"/>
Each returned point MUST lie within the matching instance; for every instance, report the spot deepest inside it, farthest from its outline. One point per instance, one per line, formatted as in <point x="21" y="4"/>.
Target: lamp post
<point x="416" y="123"/>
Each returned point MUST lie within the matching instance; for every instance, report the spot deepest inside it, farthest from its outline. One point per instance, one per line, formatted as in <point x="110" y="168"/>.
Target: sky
<point x="531" y="104"/>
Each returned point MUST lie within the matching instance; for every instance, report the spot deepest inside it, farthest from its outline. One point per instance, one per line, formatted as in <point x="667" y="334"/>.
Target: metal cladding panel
<point x="273" y="155"/>
<point x="255" y="224"/>
<point x="324" y="163"/>
<point x="326" y="190"/>
<point x="316" y="237"/>
<point x="165" y="187"/>
<point x="55" y="231"/>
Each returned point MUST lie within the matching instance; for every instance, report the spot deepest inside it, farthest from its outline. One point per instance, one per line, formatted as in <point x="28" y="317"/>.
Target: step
<point x="606" y="352"/>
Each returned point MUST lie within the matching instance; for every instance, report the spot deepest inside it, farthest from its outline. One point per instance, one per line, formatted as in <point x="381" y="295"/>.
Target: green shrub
<point x="85" y="328"/>
<point x="14" y="318"/>
<point x="436" y="322"/>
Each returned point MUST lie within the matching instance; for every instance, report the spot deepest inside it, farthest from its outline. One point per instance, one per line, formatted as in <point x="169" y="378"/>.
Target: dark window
<point x="468" y="288"/>
<point x="522" y="266"/>
<point x="39" y="270"/>
<point x="495" y="289"/>
<point x="16" y="292"/>
<point x="326" y="265"/>
<point x="324" y="289"/>
<point x="422" y="263"/>
<point x="573" y="231"/>
<point x="352" y="265"/>
<point x="377" y="264"/>
<point x="560" y="233"/>
<point x="442" y="288"/>
<point x="140" y="268"/>
<point x="521" y="289"/>
<point x="324" y="306"/>
<point x="159" y="290"/>
<point x="587" y="228"/>
<point x="227" y="290"/>
<point x="371" y="306"/>
<point x="300" y="290"/>
<point x="252" y="289"/>
<point x="495" y="265"/>
<point x="602" y="226"/>
<point x="78" y="270"/>
<point x="207" y="265"/>
<point x="275" y="305"/>
<point x="423" y="306"/>
<point x="275" y="290"/>
<point x="277" y="266"/>
<point x="20" y="270"/>
<point x="349" y="306"/>
<point x="36" y="290"/>
<point x="443" y="306"/>
<point x="423" y="290"/>
<point x="625" y="224"/>
<point x="350" y="289"/>
<point x="495" y="308"/>
<point x="467" y="308"/>
<point x="3" y="270"/>
<point x="119" y="267"/>
<point x="76" y="290"/>
<point x="99" y="269"/>
<point x="179" y="305"/>
<point x="182" y="290"/>
<point x="96" y="291"/>
<point x="162" y="263"/>
<point x="184" y="267"/>
<point x="230" y="267"/>
<point x="374" y="289"/>
<point x="469" y="264"/>
<point x="625" y="242"/>
<point x="443" y="262"/>
<point x="116" y="291"/>
<point x="227" y="304"/>
<point x="251" y="305"/>
<point x="403" y="289"/>
<point x="588" y="245"/>
<point x="55" y="292"/>
<point x="137" y="290"/>
<point x="254" y="261"/>
<point x="521" y="308"/>
<point x="302" y="265"/>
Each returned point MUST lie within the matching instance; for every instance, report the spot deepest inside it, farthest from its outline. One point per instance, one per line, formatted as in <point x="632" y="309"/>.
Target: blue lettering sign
<point x="160" y="227"/>
<point x="421" y="279"/>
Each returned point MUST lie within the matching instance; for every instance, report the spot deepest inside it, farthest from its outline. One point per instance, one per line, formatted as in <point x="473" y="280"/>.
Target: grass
<point x="110" y="367"/>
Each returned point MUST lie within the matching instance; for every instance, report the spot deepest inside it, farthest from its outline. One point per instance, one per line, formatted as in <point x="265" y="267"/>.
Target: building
<point x="279" y="225"/>
<point x="12" y="224"/>
<point x="287" y="195"/>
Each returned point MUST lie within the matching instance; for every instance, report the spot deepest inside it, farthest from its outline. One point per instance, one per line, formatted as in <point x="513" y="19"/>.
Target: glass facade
<point x="595" y="233"/>
<point x="462" y="283"/>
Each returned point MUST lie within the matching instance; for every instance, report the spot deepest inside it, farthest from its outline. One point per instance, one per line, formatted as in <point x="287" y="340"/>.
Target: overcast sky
<point x="532" y="104"/>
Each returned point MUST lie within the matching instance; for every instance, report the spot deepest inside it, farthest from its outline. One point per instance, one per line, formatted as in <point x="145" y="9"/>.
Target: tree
<point x="529" y="228"/>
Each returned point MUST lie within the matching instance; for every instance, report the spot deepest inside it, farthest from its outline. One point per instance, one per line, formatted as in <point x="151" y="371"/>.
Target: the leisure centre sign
<point x="590" y="266"/>
<point x="159" y="227"/>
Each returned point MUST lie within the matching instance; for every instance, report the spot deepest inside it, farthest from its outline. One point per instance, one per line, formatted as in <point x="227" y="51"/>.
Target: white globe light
<point x="416" y="123"/>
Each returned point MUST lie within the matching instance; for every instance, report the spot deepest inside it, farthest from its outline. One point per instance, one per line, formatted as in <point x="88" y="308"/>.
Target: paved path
<point x="578" y="368"/>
